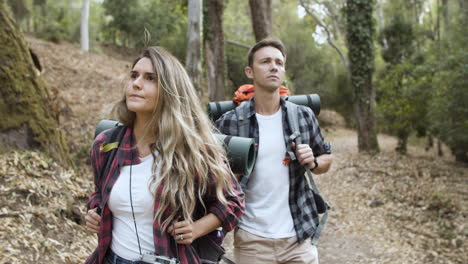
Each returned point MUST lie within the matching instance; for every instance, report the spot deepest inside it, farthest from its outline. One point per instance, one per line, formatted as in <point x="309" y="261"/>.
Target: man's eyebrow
<point x="270" y="58"/>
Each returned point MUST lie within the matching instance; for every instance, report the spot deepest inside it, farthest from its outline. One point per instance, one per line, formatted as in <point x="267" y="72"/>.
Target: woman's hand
<point x="93" y="221"/>
<point x="182" y="232"/>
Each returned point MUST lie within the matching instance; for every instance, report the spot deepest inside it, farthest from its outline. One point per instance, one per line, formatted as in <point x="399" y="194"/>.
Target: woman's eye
<point x="150" y="78"/>
<point x="133" y="75"/>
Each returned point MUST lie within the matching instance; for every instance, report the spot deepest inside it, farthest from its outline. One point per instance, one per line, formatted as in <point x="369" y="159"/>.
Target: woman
<point x="160" y="172"/>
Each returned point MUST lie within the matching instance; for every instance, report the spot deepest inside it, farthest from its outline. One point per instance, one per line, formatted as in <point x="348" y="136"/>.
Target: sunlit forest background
<point x="394" y="97"/>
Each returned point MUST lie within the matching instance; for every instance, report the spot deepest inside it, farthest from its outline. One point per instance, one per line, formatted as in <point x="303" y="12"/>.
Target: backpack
<point x="209" y="250"/>
<point x="293" y="121"/>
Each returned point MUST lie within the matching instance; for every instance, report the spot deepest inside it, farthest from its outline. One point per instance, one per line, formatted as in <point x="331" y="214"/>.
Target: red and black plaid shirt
<point x="106" y="175"/>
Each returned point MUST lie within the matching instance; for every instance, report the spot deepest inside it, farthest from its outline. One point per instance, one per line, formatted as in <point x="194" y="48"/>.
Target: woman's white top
<point x="124" y="239"/>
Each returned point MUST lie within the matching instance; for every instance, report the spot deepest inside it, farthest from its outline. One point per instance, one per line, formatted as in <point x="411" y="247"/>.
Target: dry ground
<point x="387" y="208"/>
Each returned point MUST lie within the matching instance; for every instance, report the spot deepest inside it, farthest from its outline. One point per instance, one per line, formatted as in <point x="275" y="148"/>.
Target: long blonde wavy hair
<point x="190" y="157"/>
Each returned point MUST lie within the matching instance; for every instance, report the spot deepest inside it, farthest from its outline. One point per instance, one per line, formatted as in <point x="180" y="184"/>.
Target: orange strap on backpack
<point x="246" y="91"/>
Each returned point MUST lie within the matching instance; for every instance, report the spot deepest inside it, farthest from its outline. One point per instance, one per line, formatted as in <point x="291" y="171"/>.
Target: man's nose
<point x="274" y="67"/>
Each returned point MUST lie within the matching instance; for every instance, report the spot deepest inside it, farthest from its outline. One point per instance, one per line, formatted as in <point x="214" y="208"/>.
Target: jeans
<point x="112" y="258"/>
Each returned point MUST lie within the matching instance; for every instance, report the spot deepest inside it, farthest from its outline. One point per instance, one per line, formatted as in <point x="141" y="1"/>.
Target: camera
<point x="154" y="259"/>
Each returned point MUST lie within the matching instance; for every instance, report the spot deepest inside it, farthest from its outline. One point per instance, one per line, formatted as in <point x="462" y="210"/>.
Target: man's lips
<point x="273" y="76"/>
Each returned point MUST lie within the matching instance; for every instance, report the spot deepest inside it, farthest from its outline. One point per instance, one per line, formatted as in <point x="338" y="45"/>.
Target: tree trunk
<point x="192" y="58"/>
<point x="28" y="121"/>
<point x="360" y="32"/>
<point x="214" y="49"/>
<point x="262" y="22"/>
<point x="402" y="146"/>
<point x="439" y="148"/>
<point x="84" y="26"/>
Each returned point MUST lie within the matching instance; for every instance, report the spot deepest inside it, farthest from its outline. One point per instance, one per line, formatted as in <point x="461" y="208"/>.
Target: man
<point x="280" y="214"/>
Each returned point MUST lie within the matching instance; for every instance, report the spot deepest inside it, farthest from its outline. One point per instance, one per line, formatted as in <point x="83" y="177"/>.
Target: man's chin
<point x="273" y="87"/>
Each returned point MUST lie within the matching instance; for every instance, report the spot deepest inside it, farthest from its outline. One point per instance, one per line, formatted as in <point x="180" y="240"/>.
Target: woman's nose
<point x="136" y="83"/>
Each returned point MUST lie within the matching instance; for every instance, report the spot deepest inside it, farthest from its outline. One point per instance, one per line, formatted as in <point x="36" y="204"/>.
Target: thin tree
<point x="214" y="48"/>
<point x="84" y="26"/>
<point x="192" y="58"/>
<point x="262" y="22"/>
<point x="28" y="120"/>
<point x="360" y="32"/>
<point x="327" y="29"/>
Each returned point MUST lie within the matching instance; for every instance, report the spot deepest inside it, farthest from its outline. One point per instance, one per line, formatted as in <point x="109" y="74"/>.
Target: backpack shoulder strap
<point x="293" y="121"/>
<point x="243" y="122"/>
<point x="110" y="147"/>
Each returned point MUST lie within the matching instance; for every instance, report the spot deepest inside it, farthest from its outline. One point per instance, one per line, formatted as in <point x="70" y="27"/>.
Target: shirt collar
<point x="251" y="103"/>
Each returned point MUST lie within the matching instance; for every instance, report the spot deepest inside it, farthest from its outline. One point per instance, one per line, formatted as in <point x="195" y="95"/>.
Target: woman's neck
<point x="143" y="136"/>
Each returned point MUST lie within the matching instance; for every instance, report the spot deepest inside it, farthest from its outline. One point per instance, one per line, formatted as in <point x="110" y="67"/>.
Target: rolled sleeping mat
<point x="310" y="100"/>
<point x="217" y="109"/>
<point x="104" y="125"/>
<point x="241" y="152"/>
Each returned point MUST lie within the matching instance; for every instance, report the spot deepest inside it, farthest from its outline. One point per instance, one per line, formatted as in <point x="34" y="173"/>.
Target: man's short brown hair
<point x="266" y="42"/>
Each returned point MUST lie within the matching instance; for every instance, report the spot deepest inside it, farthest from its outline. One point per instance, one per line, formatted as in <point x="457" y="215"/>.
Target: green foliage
<point x="307" y="66"/>
<point x="165" y="21"/>
<point x="236" y="60"/>
<point x="403" y="100"/>
<point x="237" y="23"/>
<point x="399" y="38"/>
<point x="237" y="26"/>
<point x="423" y="87"/>
<point x="402" y="103"/>
<point x="449" y="111"/>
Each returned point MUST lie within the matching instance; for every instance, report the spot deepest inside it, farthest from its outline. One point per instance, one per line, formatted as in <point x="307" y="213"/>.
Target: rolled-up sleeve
<point x="317" y="142"/>
<point x="229" y="213"/>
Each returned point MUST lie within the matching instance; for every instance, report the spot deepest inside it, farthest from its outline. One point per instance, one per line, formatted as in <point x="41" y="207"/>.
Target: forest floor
<point x="386" y="208"/>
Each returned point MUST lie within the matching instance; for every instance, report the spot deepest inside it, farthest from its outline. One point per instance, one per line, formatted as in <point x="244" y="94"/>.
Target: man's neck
<point x="266" y="102"/>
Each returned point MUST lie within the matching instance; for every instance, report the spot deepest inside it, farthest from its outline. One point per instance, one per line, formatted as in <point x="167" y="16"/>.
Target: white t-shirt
<point x="267" y="212"/>
<point x="124" y="239"/>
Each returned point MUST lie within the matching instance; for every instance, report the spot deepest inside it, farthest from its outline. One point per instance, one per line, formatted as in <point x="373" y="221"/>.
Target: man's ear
<point x="248" y="72"/>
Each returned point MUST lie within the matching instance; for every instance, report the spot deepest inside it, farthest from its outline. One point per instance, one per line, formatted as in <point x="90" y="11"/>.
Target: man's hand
<point x="304" y="155"/>
<point x="93" y="221"/>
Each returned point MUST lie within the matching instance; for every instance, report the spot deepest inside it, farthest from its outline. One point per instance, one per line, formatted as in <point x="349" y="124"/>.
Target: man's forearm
<point x="324" y="163"/>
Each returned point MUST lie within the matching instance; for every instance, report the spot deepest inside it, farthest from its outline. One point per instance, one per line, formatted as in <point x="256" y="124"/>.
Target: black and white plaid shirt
<point x="301" y="199"/>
